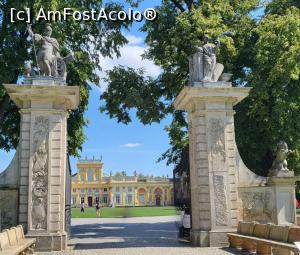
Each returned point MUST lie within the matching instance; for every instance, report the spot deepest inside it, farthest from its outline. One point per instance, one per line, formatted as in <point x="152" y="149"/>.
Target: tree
<point x="86" y="40"/>
<point x="268" y="115"/>
<point x="262" y="53"/>
<point x="171" y="39"/>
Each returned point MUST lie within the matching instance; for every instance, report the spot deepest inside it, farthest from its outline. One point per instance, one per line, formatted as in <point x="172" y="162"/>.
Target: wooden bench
<point x="265" y="239"/>
<point x="13" y="241"/>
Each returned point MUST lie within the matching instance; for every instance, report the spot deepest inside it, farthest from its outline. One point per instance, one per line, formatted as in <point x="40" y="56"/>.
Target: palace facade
<point x="90" y="185"/>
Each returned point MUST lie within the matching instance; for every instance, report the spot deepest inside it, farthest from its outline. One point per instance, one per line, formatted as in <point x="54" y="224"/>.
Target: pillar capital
<point x="223" y="97"/>
<point x="44" y="97"/>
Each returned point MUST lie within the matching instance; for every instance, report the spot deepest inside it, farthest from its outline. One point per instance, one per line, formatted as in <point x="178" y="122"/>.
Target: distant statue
<point x="203" y="64"/>
<point x="279" y="166"/>
<point x="48" y="57"/>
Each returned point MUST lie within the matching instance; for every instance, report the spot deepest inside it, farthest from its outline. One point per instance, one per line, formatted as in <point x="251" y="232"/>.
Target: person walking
<point x="82" y="207"/>
<point x="98" y="209"/>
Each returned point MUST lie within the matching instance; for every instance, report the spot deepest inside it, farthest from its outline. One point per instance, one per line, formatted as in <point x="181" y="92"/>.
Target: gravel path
<point x="131" y="236"/>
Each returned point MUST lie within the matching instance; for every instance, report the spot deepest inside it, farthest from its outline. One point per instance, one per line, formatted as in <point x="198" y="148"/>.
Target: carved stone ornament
<point x="216" y="133"/>
<point x="40" y="173"/>
<point x="279" y="166"/>
<point x="257" y="206"/>
<point x="220" y="200"/>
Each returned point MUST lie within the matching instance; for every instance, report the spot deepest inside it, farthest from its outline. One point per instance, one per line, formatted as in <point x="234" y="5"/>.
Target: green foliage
<point x="270" y="113"/>
<point x="86" y="40"/>
<point x="261" y="53"/>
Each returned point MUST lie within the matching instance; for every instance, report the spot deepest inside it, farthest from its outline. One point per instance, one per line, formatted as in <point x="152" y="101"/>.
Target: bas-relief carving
<point x="257" y="206"/>
<point x="220" y="200"/>
<point x="216" y="133"/>
<point x="40" y="173"/>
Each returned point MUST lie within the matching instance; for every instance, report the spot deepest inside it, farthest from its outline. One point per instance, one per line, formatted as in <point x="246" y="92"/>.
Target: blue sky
<point x="122" y="147"/>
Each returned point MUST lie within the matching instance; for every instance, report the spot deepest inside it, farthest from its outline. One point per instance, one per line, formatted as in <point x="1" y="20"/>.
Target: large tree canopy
<point x="261" y="52"/>
<point x="86" y="40"/>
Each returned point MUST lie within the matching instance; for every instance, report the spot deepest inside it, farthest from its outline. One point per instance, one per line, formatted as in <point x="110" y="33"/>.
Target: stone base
<point x="50" y="242"/>
<point x="200" y="238"/>
<point x="217" y="238"/>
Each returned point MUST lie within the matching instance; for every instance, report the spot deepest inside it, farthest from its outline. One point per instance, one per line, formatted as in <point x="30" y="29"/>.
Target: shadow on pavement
<point x="115" y="235"/>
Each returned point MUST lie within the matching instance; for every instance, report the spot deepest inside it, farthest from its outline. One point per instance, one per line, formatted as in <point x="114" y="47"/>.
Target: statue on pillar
<point x="279" y="166"/>
<point x="203" y="65"/>
<point x="48" y="58"/>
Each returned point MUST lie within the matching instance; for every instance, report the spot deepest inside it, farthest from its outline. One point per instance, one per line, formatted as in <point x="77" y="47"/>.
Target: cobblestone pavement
<point x="131" y="236"/>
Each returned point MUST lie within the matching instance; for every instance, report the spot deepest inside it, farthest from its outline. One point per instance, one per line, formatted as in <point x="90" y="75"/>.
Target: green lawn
<point x="121" y="212"/>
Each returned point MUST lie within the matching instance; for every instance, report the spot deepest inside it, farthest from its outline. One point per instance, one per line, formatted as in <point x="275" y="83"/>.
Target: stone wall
<point x="8" y="207"/>
<point x="298" y="220"/>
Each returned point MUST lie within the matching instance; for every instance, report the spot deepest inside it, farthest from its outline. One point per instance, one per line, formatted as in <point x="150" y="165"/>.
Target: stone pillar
<point x="283" y="197"/>
<point x="213" y="170"/>
<point x="43" y="143"/>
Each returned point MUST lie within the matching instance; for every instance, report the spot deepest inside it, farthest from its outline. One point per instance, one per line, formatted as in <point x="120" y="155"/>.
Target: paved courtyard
<point x="131" y="236"/>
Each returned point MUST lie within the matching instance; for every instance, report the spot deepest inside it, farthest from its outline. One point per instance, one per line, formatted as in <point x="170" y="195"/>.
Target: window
<point x="118" y="200"/>
<point x="90" y="176"/>
<point x="129" y="189"/>
<point x="90" y="191"/>
<point x="129" y="199"/>
<point x="74" y="190"/>
<point x="142" y="199"/>
<point x="97" y="177"/>
<point x="82" y="190"/>
<point x="105" y="189"/>
<point x="82" y="200"/>
<point x="105" y="199"/>
<point x="117" y="189"/>
<point x="82" y="177"/>
<point x="97" y="191"/>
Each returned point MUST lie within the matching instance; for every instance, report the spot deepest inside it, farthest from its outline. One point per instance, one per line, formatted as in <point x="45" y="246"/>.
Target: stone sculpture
<point x="279" y="166"/>
<point x="49" y="61"/>
<point x="40" y="173"/>
<point x="203" y="64"/>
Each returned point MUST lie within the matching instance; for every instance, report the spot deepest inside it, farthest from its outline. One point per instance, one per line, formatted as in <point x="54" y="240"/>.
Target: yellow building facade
<point x="90" y="185"/>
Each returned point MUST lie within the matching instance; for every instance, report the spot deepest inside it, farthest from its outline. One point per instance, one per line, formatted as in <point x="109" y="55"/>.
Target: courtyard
<point x="137" y="235"/>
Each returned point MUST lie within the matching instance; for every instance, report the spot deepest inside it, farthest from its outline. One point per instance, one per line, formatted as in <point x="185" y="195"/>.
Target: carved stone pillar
<point x="213" y="167"/>
<point x="43" y="143"/>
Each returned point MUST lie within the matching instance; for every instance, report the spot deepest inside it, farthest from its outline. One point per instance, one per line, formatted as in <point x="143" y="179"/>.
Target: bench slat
<point x="271" y="242"/>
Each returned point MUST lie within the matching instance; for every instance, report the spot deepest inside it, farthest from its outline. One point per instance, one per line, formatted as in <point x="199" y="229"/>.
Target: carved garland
<point x="40" y="173"/>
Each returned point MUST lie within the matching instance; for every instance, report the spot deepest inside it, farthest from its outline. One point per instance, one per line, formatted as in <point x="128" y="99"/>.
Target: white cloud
<point x="131" y="56"/>
<point x="131" y="145"/>
<point x="134" y="40"/>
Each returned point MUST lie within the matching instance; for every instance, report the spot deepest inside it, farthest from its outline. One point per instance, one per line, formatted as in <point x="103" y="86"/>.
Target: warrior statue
<point x="203" y="64"/>
<point x="49" y="60"/>
<point x="279" y="166"/>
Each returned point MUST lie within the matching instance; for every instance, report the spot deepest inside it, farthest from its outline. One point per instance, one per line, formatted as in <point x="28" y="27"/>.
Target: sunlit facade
<point x="90" y="185"/>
